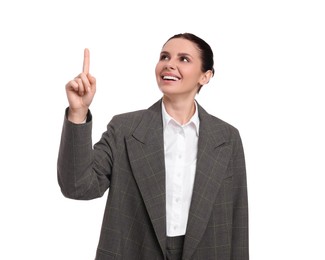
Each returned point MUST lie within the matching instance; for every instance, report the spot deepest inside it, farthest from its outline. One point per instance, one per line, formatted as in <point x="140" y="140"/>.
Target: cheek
<point x="189" y="74"/>
<point x="157" y="69"/>
<point x="157" y="73"/>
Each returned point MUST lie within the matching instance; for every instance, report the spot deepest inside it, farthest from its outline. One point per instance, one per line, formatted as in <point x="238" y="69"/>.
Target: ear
<point x="205" y="78"/>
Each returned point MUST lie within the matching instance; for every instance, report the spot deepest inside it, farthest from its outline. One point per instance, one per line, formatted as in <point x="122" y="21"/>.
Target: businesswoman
<point x="176" y="174"/>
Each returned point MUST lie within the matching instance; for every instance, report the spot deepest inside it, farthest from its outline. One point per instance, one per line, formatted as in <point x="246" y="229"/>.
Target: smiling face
<point x="179" y="69"/>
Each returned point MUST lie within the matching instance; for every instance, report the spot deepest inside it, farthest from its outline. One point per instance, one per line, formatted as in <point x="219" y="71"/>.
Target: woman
<point x="176" y="174"/>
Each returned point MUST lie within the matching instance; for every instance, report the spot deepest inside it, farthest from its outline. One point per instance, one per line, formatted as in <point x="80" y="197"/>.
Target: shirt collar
<point x="194" y="119"/>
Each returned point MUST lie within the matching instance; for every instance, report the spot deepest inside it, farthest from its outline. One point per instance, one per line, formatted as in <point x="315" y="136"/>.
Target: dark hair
<point x="204" y="48"/>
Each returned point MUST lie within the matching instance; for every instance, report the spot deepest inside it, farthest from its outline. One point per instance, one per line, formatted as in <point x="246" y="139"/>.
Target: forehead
<point x="180" y="45"/>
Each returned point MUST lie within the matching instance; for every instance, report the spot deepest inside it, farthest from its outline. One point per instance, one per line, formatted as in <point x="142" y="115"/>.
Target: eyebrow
<point x="179" y="54"/>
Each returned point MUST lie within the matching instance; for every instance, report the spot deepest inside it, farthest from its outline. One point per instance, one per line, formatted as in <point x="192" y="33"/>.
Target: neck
<point x="180" y="109"/>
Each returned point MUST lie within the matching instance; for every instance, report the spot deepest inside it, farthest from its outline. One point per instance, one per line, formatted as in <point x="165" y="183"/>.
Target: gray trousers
<point x="175" y="247"/>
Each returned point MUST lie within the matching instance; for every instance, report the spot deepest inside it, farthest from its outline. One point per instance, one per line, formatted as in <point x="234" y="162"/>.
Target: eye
<point x="164" y="57"/>
<point x="184" y="58"/>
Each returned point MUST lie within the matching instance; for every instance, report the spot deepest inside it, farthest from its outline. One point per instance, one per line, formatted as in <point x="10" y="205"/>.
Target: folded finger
<point x="85" y="81"/>
<point x="81" y="88"/>
<point x="72" y="84"/>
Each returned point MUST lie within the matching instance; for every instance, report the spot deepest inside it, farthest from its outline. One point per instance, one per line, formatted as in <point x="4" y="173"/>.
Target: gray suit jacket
<point x="129" y="160"/>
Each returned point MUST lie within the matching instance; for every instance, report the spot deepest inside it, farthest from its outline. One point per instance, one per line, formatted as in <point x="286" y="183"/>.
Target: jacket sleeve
<point x="84" y="173"/>
<point x="240" y="238"/>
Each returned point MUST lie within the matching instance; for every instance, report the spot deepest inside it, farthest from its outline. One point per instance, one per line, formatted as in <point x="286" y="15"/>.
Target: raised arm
<point x="80" y="92"/>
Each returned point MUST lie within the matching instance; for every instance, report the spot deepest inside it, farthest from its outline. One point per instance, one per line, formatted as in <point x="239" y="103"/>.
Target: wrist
<point x="77" y="116"/>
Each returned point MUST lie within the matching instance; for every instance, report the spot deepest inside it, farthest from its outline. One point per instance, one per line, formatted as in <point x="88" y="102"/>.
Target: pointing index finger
<point x="85" y="68"/>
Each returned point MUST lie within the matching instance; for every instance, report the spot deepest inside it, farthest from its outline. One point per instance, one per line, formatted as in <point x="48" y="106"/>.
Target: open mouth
<point x="170" y="78"/>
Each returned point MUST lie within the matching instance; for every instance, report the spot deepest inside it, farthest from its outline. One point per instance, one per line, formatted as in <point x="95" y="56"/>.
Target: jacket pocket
<point x="104" y="255"/>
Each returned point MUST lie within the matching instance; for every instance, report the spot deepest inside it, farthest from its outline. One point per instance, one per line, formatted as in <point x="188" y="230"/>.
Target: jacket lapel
<point x="212" y="159"/>
<point x="146" y="154"/>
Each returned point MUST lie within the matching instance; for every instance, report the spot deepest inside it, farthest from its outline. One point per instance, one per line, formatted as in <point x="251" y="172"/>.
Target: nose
<point x="169" y="65"/>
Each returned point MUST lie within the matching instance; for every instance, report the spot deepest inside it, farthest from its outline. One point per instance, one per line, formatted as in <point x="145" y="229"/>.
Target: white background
<point x="269" y="83"/>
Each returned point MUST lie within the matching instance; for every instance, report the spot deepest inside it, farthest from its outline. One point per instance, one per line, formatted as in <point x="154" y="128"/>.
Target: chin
<point x="168" y="90"/>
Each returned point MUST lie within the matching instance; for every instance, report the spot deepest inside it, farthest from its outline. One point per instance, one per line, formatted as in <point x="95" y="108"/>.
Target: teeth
<point x="170" y="78"/>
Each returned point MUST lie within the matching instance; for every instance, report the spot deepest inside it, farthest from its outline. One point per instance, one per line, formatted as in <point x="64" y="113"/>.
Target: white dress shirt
<point x="180" y="144"/>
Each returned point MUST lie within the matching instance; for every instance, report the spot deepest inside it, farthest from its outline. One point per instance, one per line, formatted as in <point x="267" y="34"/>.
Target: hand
<point x="80" y="92"/>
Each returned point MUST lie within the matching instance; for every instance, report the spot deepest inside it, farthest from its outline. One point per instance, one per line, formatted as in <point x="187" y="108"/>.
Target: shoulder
<point x="152" y="110"/>
<point x="216" y="126"/>
<point x="215" y="121"/>
<point x="130" y="120"/>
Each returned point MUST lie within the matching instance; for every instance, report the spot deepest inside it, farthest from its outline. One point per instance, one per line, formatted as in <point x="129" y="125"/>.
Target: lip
<point x="169" y="75"/>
